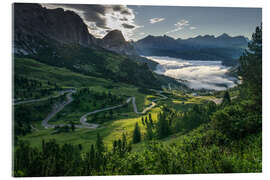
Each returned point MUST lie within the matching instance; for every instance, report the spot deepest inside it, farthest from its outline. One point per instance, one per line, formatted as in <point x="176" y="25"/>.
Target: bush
<point x="236" y="121"/>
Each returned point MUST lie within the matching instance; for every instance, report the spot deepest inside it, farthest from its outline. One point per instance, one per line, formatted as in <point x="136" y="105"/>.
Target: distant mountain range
<point x="223" y="47"/>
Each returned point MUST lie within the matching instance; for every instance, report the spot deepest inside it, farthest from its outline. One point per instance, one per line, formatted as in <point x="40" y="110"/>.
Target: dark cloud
<point x="128" y="26"/>
<point x="95" y="13"/>
<point x="121" y="9"/>
<point x="102" y="18"/>
<point x="126" y="12"/>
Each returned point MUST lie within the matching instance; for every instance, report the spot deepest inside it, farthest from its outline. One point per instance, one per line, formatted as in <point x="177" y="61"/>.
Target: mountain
<point x="223" y="40"/>
<point x="115" y="41"/>
<point x="60" y="38"/>
<point x="208" y="47"/>
<point x="34" y="24"/>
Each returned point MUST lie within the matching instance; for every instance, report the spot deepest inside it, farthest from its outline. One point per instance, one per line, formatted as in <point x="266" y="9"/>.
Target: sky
<point x="136" y="22"/>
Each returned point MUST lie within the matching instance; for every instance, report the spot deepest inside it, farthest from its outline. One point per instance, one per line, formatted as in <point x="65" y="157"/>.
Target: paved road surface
<point x="56" y="110"/>
<point x="42" y="99"/>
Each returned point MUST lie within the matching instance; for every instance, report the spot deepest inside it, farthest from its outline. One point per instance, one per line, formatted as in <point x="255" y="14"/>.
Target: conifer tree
<point x="136" y="134"/>
<point x="150" y="119"/>
<point x="149" y="132"/>
<point x="146" y="120"/>
<point x="143" y="121"/>
<point x="162" y="126"/>
<point x="99" y="144"/>
<point x="250" y="68"/>
<point x="226" y="98"/>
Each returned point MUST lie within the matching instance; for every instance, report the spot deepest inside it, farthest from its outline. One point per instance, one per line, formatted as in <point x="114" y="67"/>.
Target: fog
<point x="198" y="74"/>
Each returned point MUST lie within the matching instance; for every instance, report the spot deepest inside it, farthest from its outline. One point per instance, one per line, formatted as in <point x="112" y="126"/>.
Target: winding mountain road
<point x="56" y="110"/>
<point x="83" y="119"/>
<point x="42" y="99"/>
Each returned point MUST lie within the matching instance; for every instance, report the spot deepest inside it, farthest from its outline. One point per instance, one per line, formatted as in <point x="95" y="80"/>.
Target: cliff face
<point x="33" y="23"/>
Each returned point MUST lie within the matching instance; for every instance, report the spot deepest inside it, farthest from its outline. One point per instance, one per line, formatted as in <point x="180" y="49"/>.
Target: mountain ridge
<point x="207" y="47"/>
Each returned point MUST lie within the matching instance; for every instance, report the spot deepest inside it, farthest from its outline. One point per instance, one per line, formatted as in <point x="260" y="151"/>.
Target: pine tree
<point x="99" y="144"/>
<point x="149" y="132"/>
<point x="146" y="120"/>
<point x="91" y="160"/>
<point x="150" y="119"/>
<point x="136" y="134"/>
<point x="226" y="98"/>
<point x="250" y="68"/>
<point x="162" y="126"/>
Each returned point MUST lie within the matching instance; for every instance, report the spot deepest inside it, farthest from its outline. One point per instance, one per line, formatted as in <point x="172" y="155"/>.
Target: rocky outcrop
<point x="116" y="42"/>
<point x="33" y="24"/>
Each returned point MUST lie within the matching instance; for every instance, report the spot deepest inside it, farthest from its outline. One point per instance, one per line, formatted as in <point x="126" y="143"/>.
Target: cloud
<point x="128" y="26"/>
<point x="103" y="18"/>
<point x="179" y="26"/>
<point x="198" y="74"/>
<point x="156" y="20"/>
<point x="192" y="28"/>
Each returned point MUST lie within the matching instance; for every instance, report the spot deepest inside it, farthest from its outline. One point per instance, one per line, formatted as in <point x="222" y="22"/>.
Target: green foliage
<point x="239" y="120"/>
<point x="251" y="67"/>
<point x="99" y="144"/>
<point x="188" y="156"/>
<point x="97" y="63"/>
<point x="162" y="126"/>
<point x="226" y="98"/>
<point x="136" y="134"/>
<point x="121" y="146"/>
<point x="197" y="115"/>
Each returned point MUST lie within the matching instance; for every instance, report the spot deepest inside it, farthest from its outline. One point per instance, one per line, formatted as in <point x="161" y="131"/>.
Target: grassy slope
<point x="61" y="76"/>
<point x="66" y="78"/>
<point x="110" y="130"/>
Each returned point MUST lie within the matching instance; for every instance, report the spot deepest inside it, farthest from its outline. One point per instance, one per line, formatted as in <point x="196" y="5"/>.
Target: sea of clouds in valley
<point x="198" y="74"/>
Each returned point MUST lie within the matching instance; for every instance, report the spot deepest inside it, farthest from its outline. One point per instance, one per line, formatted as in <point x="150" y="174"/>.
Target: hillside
<point x="42" y="36"/>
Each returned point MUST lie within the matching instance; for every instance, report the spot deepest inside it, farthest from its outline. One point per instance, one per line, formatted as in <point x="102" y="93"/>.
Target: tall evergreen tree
<point x="250" y="68"/>
<point x="99" y="144"/>
<point x="162" y="126"/>
<point x="149" y="132"/>
<point x="136" y="134"/>
<point x="226" y="98"/>
<point x="150" y="119"/>
<point x="143" y="121"/>
<point x="146" y="120"/>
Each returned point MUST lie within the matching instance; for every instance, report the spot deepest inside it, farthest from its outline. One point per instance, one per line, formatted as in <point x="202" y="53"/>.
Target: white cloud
<point x="156" y="20"/>
<point x="198" y="74"/>
<point x="192" y="28"/>
<point x="101" y="19"/>
<point x="179" y="26"/>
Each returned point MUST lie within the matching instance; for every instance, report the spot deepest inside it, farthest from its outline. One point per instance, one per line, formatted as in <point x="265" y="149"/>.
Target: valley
<point x="87" y="105"/>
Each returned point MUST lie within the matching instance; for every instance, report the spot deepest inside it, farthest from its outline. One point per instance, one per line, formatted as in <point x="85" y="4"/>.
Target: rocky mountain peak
<point x="115" y="37"/>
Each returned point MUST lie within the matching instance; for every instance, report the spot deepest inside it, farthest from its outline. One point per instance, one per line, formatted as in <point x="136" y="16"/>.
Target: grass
<point x="62" y="76"/>
<point x="109" y="130"/>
